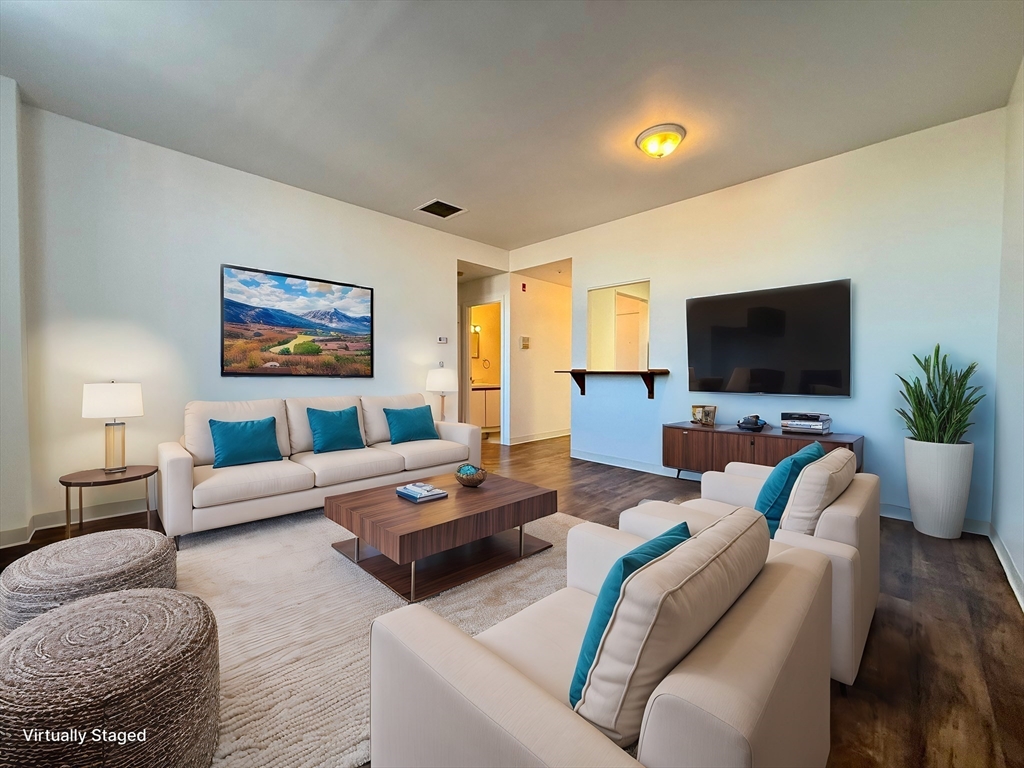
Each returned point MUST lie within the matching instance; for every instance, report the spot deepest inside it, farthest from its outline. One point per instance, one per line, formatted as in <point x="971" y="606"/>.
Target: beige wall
<point x="541" y="398"/>
<point x="123" y="242"/>
<point x="488" y="317"/>
<point x="14" y="440"/>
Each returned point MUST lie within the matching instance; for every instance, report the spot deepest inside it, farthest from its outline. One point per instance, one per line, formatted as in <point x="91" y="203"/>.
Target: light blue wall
<point x="915" y="222"/>
<point x="1008" y="504"/>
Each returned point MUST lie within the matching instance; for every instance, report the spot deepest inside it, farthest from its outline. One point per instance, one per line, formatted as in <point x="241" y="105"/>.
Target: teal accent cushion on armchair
<point x="608" y="597"/>
<point x="244" y="442"/>
<point x="408" y="424"/>
<point x="774" y="495"/>
<point x="335" y="430"/>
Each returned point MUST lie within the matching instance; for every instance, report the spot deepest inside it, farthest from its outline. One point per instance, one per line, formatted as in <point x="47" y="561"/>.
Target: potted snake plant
<point x="939" y="460"/>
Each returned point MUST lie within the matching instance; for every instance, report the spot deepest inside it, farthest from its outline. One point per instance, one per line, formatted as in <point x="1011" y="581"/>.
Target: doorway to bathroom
<point x="484" y="343"/>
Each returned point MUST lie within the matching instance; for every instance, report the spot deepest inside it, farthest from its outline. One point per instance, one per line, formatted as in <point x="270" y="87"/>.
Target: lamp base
<point x="114" y="454"/>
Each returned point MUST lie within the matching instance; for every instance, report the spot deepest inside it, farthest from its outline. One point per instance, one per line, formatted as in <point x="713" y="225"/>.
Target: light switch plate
<point x="442" y="339"/>
<point x="524" y="342"/>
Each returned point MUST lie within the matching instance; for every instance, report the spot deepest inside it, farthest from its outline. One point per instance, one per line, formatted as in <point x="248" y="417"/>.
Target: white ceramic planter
<point x="939" y="482"/>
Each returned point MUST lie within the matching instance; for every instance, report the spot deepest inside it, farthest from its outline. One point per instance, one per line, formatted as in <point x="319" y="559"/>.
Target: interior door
<point x="627" y="333"/>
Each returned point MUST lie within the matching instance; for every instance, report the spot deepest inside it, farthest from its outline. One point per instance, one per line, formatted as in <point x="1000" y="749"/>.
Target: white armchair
<point x="846" y="532"/>
<point x="753" y="691"/>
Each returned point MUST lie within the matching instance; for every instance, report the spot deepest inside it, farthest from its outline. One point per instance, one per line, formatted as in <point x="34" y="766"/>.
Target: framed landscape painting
<point x="276" y="324"/>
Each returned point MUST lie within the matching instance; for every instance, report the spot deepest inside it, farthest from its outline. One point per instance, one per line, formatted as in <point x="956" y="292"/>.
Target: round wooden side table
<point x="94" y="478"/>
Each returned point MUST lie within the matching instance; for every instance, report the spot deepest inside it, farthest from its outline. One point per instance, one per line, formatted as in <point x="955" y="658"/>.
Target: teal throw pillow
<point x="774" y="495"/>
<point x="408" y="424"/>
<point x="244" y="442"/>
<point x="608" y="598"/>
<point x="335" y="430"/>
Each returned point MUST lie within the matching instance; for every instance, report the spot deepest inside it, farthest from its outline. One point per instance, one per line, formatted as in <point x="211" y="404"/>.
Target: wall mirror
<point x="618" y="327"/>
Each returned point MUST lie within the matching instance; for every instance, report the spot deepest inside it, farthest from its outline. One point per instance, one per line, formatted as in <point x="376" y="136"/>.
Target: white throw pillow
<point x="818" y="485"/>
<point x="663" y="611"/>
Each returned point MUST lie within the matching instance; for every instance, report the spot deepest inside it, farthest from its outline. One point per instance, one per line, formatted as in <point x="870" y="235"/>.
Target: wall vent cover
<point x="441" y="209"/>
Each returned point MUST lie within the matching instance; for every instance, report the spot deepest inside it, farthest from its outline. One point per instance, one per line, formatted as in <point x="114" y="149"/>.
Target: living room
<point x="159" y="161"/>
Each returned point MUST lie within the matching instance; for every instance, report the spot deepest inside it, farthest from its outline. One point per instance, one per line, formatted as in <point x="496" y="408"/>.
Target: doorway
<point x="484" y="343"/>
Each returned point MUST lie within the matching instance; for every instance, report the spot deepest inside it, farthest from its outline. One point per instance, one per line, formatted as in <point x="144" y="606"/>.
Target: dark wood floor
<point x="942" y="680"/>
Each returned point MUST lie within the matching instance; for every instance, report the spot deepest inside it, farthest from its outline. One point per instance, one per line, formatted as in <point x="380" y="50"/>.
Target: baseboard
<point x="1012" y="574"/>
<point x="980" y="527"/>
<point x="615" y="461"/>
<point x="58" y="519"/>
<point x="538" y="436"/>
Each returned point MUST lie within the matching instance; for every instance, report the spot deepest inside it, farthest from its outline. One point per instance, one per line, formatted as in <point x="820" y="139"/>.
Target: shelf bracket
<point x="580" y="377"/>
<point x="649" y="381"/>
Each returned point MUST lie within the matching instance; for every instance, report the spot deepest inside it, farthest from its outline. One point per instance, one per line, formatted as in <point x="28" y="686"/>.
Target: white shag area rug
<point x="294" y="621"/>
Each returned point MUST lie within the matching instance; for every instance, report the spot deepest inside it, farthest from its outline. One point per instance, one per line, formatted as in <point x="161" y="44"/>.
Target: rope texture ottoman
<point x="129" y="678"/>
<point x="87" y="565"/>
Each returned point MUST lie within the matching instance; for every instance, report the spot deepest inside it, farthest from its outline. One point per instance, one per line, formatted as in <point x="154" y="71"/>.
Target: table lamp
<point x="110" y="400"/>
<point x="442" y="380"/>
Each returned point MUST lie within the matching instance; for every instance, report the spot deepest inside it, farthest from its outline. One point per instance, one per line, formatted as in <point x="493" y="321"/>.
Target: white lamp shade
<point x="442" y="380"/>
<point x="110" y="400"/>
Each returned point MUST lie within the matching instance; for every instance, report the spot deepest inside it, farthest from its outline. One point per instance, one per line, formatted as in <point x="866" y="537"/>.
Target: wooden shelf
<point x="579" y="375"/>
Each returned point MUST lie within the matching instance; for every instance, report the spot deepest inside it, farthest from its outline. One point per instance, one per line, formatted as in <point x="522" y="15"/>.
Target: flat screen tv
<point x="782" y="341"/>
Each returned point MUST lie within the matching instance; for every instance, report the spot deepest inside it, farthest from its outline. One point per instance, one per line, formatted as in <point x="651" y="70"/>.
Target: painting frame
<point x="229" y="369"/>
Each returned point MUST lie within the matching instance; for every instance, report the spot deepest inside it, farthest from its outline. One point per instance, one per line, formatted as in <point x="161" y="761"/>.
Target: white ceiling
<point x="523" y="113"/>
<point x="554" y="272"/>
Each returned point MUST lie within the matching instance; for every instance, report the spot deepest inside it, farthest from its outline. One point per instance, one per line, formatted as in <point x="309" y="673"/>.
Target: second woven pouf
<point x="128" y="678"/>
<point x="87" y="565"/>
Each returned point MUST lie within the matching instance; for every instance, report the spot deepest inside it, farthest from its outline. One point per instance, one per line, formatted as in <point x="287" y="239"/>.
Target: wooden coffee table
<point x="418" y="550"/>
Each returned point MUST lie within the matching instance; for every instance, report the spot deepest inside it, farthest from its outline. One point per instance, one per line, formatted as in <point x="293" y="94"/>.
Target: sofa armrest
<point x="743" y="469"/>
<point x="174" y="488"/>
<point x="438" y="697"/>
<point x="467" y="434"/>
<point x="591" y="551"/>
<point x="849" y="624"/>
<point x="755" y="690"/>
<point x="730" y="488"/>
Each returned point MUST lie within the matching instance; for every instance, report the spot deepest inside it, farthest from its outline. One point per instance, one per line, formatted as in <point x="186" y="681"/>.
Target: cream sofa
<point x="845" y="529"/>
<point x="193" y="496"/>
<point x="753" y="691"/>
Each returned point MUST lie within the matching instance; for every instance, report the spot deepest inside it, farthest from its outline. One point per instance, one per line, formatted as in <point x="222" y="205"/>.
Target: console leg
<point x="678" y="473"/>
<point x="412" y="582"/>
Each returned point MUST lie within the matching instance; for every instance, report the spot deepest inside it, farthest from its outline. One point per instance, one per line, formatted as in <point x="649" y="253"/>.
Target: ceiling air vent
<point x="441" y="209"/>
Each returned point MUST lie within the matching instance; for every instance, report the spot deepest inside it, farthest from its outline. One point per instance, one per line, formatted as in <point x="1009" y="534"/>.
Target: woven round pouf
<point x="129" y="678"/>
<point x="87" y="565"/>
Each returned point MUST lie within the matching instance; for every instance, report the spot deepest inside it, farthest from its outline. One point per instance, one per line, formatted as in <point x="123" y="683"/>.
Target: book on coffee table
<point x="420" y="492"/>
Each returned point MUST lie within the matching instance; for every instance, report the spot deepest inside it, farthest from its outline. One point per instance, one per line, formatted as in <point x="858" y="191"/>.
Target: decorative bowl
<point x="470" y="476"/>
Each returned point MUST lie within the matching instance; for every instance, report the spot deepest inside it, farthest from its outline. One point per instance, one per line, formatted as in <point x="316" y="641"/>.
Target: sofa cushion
<point x="652" y="518"/>
<point x="427" y="453"/>
<point x="408" y="424"/>
<point x="543" y="640"/>
<point x="299" y="433"/>
<point x="663" y="611"/>
<point x="335" y="430"/>
<point x="818" y="485"/>
<point x="774" y="495"/>
<point x="375" y="424"/>
<point x="608" y="598"/>
<point x="248" y="481"/>
<point x="345" y="466"/>
<point x="244" y="442"/>
<point x="198" y="440"/>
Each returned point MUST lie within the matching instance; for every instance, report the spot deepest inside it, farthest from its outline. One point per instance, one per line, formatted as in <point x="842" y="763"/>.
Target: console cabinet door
<point x="771" y="450"/>
<point x="689" y="449"/>
<point x="733" y="446"/>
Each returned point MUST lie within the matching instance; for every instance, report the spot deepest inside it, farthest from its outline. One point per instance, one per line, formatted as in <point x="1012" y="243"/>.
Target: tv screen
<point x="783" y="341"/>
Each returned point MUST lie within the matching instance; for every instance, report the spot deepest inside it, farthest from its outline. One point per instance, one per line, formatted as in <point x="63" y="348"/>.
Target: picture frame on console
<point x="279" y="324"/>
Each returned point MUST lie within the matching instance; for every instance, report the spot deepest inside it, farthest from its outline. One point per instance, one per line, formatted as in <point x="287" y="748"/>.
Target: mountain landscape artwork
<point x="275" y="324"/>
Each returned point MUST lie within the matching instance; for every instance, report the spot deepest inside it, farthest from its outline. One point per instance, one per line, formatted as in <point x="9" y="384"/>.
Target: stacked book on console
<point x="420" y="492"/>
<point x="807" y="423"/>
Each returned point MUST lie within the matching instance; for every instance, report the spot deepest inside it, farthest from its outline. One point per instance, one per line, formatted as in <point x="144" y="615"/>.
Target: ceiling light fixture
<point x="660" y="140"/>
